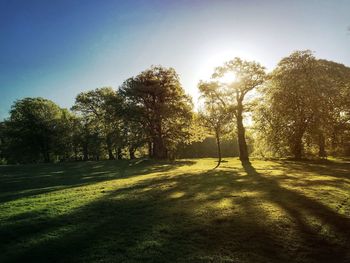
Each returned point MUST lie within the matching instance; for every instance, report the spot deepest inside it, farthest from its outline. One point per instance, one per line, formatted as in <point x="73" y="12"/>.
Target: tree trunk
<point x="85" y="152"/>
<point x="297" y="148"/>
<point x="297" y="143"/>
<point x="243" y="149"/>
<point x="219" y="147"/>
<point x="321" y="146"/>
<point x="119" y="153"/>
<point x="45" y="150"/>
<point x="109" y="148"/>
<point x="132" y="153"/>
<point x="47" y="157"/>
<point x="159" y="150"/>
<point x="297" y="151"/>
<point x="150" y="149"/>
<point x="75" y="153"/>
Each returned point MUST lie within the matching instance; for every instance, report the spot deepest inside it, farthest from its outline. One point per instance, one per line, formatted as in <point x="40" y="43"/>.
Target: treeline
<point x="300" y="109"/>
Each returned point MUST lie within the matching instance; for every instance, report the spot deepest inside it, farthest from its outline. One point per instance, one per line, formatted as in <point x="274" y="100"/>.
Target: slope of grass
<point x="143" y="211"/>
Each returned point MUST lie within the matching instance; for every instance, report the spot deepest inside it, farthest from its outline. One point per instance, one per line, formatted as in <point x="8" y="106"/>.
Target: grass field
<point x="144" y="211"/>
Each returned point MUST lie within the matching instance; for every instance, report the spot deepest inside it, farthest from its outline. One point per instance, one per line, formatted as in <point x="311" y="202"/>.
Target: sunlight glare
<point x="228" y="78"/>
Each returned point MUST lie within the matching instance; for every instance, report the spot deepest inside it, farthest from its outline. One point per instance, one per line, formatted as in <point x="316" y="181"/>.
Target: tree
<point x="303" y="104"/>
<point x="33" y="130"/>
<point x="156" y="100"/>
<point x="333" y="106"/>
<point x="248" y="75"/>
<point x="99" y="106"/>
<point x="290" y="99"/>
<point x="2" y="141"/>
<point x="214" y="116"/>
<point x="134" y="135"/>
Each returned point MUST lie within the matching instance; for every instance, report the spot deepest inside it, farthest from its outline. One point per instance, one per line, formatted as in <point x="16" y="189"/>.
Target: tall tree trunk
<point x="298" y="150"/>
<point x="243" y="149"/>
<point x="159" y="149"/>
<point x="297" y="143"/>
<point x="219" y="147"/>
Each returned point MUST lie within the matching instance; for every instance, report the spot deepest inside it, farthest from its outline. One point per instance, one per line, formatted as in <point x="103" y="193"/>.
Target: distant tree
<point x="64" y="148"/>
<point x="86" y="138"/>
<point x="214" y="116"/>
<point x="157" y="102"/>
<point x="98" y="106"/>
<point x="33" y="130"/>
<point x="207" y="147"/>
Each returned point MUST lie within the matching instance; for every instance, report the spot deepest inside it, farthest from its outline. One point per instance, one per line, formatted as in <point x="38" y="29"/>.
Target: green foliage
<point x="303" y="105"/>
<point x="301" y="109"/>
<point x="232" y="96"/>
<point x="207" y="147"/>
<point x="100" y="109"/>
<point x="33" y="131"/>
<point x="214" y="116"/>
<point x="156" y="100"/>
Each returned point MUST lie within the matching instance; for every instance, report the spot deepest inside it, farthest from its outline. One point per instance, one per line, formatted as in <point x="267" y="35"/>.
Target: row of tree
<point x="302" y="107"/>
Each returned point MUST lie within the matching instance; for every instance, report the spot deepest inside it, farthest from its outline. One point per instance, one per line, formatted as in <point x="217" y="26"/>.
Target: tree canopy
<point x="300" y="109"/>
<point x="156" y="99"/>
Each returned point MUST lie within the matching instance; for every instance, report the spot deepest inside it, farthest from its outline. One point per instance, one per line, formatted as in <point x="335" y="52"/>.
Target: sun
<point x="216" y="58"/>
<point x="228" y="78"/>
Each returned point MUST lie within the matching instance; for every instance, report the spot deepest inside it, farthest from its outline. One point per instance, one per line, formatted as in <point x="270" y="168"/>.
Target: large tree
<point x="303" y="104"/>
<point x="247" y="76"/>
<point x="289" y="98"/>
<point x="156" y="100"/>
<point x="332" y="118"/>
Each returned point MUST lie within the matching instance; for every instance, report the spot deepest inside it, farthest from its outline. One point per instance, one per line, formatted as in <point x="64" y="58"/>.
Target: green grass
<point x="143" y="211"/>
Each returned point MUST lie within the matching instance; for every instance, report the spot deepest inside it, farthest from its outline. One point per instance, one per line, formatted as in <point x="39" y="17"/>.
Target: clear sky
<point x="57" y="48"/>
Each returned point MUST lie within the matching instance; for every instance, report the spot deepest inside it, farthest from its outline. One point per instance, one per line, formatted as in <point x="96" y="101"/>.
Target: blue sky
<point x="56" y="49"/>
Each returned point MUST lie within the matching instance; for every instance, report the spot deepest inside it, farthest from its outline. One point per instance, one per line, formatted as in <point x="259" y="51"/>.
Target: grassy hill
<point x="184" y="211"/>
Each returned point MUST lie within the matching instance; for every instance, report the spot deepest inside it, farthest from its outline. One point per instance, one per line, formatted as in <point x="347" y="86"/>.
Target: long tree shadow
<point x="139" y="228"/>
<point x="28" y="180"/>
<point x="334" y="169"/>
<point x="214" y="216"/>
<point x="301" y="208"/>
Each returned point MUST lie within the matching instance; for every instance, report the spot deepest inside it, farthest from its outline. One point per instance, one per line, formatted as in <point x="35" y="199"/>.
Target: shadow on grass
<point x="214" y="216"/>
<point x="28" y="180"/>
<point x="302" y="210"/>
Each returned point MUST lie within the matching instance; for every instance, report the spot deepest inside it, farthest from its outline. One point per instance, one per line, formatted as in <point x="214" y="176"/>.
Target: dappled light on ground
<point x="144" y="211"/>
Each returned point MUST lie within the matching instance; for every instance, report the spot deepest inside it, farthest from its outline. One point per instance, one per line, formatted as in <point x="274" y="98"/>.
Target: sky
<point x="58" y="48"/>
